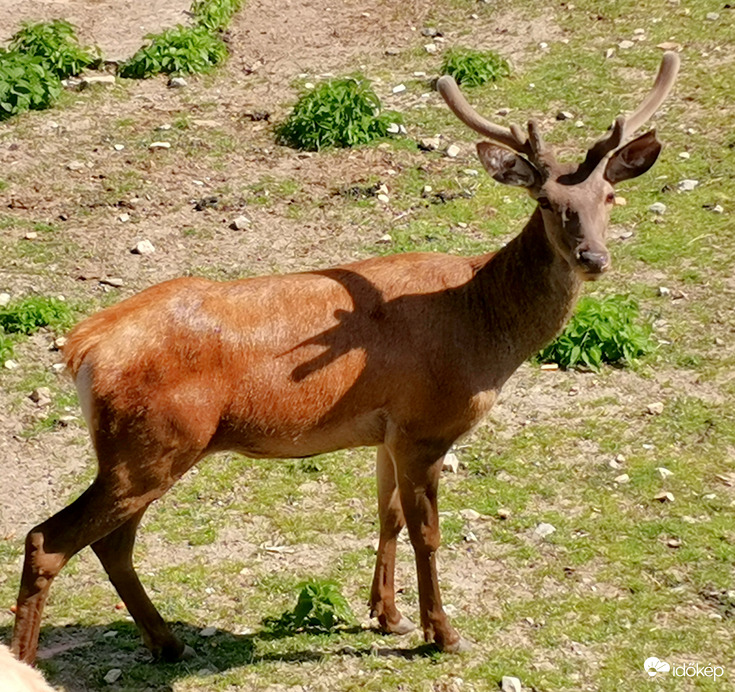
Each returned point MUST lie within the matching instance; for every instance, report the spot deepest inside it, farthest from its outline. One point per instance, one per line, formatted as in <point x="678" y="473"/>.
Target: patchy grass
<point x="472" y="68"/>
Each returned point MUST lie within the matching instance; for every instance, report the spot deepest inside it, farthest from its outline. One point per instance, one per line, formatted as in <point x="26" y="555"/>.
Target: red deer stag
<point x="405" y="353"/>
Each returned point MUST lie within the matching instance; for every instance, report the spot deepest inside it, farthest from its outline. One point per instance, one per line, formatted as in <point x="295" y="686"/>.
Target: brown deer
<point x="406" y="353"/>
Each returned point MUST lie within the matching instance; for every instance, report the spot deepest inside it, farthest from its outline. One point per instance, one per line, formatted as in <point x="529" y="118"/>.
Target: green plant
<point x="474" y="67"/>
<point x="55" y="44"/>
<point x="337" y="113"/>
<point x="30" y="314"/>
<point x="25" y="84"/>
<point x="182" y="49"/>
<point x="321" y="607"/>
<point x="214" y="15"/>
<point x="601" y="331"/>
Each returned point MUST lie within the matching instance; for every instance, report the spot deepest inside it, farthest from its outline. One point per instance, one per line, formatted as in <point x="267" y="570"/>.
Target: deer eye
<point x="610" y="199"/>
<point x="544" y="203"/>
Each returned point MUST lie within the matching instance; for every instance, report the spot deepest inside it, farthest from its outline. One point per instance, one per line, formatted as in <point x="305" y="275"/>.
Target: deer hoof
<point x="459" y="646"/>
<point x="403" y="626"/>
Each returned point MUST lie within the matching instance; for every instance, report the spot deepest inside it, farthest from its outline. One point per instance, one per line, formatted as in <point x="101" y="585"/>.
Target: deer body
<point x="406" y="353"/>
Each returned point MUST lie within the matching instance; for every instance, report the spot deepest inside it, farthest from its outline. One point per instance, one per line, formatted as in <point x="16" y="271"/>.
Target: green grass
<point x="472" y="68"/>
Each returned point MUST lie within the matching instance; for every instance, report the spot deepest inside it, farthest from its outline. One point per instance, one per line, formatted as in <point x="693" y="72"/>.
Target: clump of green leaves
<point x="321" y="607"/>
<point x="474" y="67"/>
<point x="30" y="314"/>
<point x="180" y="50"/>
<point x="601" y="331"/>
<point x="55" y="44"/>
<point x="337" y="113"/>
<point x="25" y="84"/>
<point x="214" y="15"/>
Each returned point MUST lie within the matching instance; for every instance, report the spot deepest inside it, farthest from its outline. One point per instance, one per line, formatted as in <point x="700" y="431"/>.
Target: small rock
<point x="41" y="396"/>
<point x="383" y="198"/>
<point x="113" y="676"/>
<point x="208" y="632"/>
<point x="609" y="53"/>
<point x="579" y="123"/>
<point x="4" y="299"/>
<point x="424" y="191"/>
<point x="143" y="247"/>
<point x="564" y="115"/>
<point x="543" y="45"/>
<point x="451" y="463"/>
<point x="620" y="458"/>
<point x="510" y="684"/>
<point x="503" y="513"/>
<point x="664" y="291"/>
<point x="674" y="543"/>
<point x="110" y="634"/>
<point x="114" y="281"/>
<point x="550" y="367"/>
<point x="543" y="530"/>
<point x="429" y="143"/>
<point x="687" y="185"/>
<point x="104" y="79"/>
<point x="502" y="112"/>
<point x="75" y="166"/>
<point x="712" y="16"/>
<point x="452" y="151"/>
<point x="385" y="239"/>
<point x="624" y="45"/>
<point x="639" y="32"/>
<point x="58" y="367"/>
<point x="717" y="209"/>
<point x="394" y="129"/>
<point x="664" y="472"/>
<point x="177" y="83"/>
<point x="240" y="223"/>
<point x="469" y="514"/>
<point x="399" y="88"/>
<point x="10" y="365"/>
<point x="430" y="32"/>
<point x="622" y="479"/>
<point x="669" y="45"/>
<point x="684" y="155"/>
<point x="664" y="497"/>
<point x="165" y="127"/>
<point x="124" y="217"/>
<point x="470" y="537"/>
<point x="620" y="201"/>
<point x="657" y="208"/>
<point x="503" y="476"/>
<point x="472" y="172"/>
<point x="615" y="465"/>
<point x="118" y="147"/>
<point x="655" y="409"/>
<point x="31" y="235"/>
<point x="159" y="145"/>
<point x="59" y="343"/>
<point x="430" y="48"/>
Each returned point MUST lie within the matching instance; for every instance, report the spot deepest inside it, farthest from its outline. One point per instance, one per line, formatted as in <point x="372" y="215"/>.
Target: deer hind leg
<point x="50" y="545"/>
<point x="418" y="470"/>
<point x="115" y="552"/>
<point x="382" y="596"/>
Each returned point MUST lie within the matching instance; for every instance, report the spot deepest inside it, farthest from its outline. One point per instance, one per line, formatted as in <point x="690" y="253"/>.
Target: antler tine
<point x="624" y="127"/>
<point x="513" y="138"/>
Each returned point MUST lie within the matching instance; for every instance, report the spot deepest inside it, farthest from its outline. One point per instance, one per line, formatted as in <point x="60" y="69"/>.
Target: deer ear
<point x="506" y="167"/>
<point x="633" y="159"/>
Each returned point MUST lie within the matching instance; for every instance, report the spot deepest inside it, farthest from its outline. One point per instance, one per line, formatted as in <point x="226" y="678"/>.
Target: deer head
<point x="574" y="199"/>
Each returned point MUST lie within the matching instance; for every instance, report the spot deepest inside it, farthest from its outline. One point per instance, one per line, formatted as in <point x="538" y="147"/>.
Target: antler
<point x="512" y="138"/>
<point x="623" y="128"/>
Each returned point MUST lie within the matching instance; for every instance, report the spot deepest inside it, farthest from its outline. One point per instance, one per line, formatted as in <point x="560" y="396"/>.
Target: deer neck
<point x="528" y="293"/>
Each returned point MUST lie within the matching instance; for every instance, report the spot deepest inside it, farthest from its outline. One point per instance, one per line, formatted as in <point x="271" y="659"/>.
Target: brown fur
<point x="406" y="353"/>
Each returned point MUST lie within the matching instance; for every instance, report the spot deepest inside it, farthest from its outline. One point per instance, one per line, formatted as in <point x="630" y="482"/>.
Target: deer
<point x="406" y="353"/>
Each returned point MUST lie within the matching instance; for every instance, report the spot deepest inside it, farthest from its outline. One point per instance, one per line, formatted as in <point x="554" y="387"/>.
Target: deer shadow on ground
<point x="78" y="657"/>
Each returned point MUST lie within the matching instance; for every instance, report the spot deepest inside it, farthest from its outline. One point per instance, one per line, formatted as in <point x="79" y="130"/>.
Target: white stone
<point x="427" y="189"/>
<point x="143" y="247"/>
<point x="622" y="479"/>
<point x="609" y="52"/>
<point x="240" y="223"/>
<point x="383" y="198"/>
<point x="159" y="145"/>
<point x="469" y="514"/>
<point x="713" y="16"/>
<point x="385" y="239"/>
<point x="10" y="365"/>
<point x="113" y="676"/>
<point x="4" y="299"/>
<point x="470" y="537"/>
<point x="104" y="79"/>
<point x="657" y="208"/>
<point x="394" y="128"/>
<point x="510" y="684"/>
<point x="664" y="497"/>
<point x="177" y="82"/>
<point x="664" y="472"/>
<point x="453" y="151"/>
<point x="684" y="155"/>
<point x="687" y="185"/>
<point x="664" y="291"/>
<point x="543" y="45"/>
<point x="718" y="209"/>
<point x="624" y="45"/>
<point x="656" y="408"/>
<point x="75" y="166"/>
<point x="208" y="632"/>
<point x="124" y="217"/>
<point x="399" y="88"/>
<point x="543" y="530"/>
<point x="430" y="48"/>
<point x="451" y="463"/>
<point x="118" y="147"/>
<point x="639" y="32"/>
<point x="471" y="172"/>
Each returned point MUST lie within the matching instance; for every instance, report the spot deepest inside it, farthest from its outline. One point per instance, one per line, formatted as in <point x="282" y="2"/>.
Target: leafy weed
<point x="474" y="67"/>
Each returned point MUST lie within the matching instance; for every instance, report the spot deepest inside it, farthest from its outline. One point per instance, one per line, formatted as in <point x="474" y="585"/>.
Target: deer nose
<point x="593" y="262"/>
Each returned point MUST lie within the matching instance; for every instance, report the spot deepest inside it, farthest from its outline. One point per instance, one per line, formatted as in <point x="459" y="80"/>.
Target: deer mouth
<point x="592" y="265"/>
